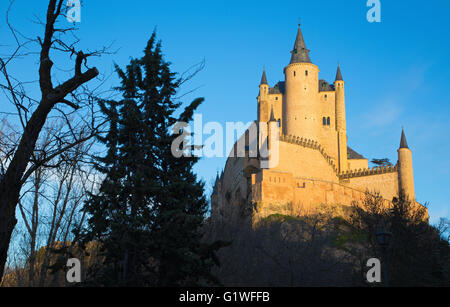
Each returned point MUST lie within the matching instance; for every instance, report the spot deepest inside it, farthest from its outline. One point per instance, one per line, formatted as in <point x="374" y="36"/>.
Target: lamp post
<point x="384" y="239"/>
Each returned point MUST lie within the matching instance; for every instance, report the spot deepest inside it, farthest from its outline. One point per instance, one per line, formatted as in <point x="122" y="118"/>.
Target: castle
<point x="315" y="165"/>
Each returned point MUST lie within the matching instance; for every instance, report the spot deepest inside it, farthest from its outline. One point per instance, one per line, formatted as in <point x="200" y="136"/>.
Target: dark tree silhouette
<point x="381" y="162"/>
<point x="150" y="207"/>
<point x="22" y="160"/>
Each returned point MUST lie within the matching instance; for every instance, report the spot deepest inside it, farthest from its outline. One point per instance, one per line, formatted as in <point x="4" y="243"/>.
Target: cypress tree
<point x="150" y="207"/>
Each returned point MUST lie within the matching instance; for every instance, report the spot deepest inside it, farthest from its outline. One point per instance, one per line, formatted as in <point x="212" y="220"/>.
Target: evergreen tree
<point x="150" y="206"/>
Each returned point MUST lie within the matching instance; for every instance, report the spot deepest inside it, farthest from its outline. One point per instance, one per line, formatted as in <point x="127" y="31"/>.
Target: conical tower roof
<point x="272" y="116"/>
<point x="217" y="177"/>
<point x="264" y="78"/>
<point x="403" y="143"/>
<point x="300" y="54"/>
<point x="339" y="74"/>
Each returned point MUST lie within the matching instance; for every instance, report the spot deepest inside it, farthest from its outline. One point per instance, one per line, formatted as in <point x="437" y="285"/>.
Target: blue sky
<point x="396" y="71"/>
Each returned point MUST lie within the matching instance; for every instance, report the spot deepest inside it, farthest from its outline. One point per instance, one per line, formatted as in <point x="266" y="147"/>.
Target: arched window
<point x="328" y="121"/>
<point x="324" y="121"/>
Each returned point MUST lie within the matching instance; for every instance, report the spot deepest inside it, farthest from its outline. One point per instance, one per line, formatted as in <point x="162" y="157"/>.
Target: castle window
<point x="279" y="123"/>
<point x="276" y="98"/>
<point x="294" y="74"/>
<point x="324" y="121"/>
<point x="326" y="96"/>
<point x="328" y="121"/>
<point x="306" y="73"/>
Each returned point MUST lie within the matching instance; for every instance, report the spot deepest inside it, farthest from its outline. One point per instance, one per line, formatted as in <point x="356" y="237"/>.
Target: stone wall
<point x="386" y="184"/>
<point x="281" y="193"/>
<point x="304" y="161"/>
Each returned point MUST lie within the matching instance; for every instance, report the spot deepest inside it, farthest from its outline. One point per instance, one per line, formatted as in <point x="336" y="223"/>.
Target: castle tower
<point x="301" y="100"/>
<point x="263" y="107"/>
<point x="272" y="121"/>
<point x="272" y="139"/>
<point x="341" y="125"/>
<point x="405" y="169"/>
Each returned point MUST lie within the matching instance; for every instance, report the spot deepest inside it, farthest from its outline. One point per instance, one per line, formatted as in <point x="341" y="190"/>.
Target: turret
<point x="272" y="126"/>
<point x="263" y="111"/>
<point x="301" y="101"/>
<point x="341" y="125"/>
<point x="273" y="133"/>
<point x="405" y="169"/>
<point x="216" y="183"/>
<point x="263" y="86"/>
<point x="215" y="199"/>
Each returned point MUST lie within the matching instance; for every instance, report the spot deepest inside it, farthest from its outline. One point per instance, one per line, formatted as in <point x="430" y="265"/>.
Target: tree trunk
<point x="10" y="184"/>
<point x="7" y="223"/>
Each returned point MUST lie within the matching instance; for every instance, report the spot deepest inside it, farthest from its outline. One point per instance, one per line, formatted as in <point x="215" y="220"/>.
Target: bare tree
<point x="50" y="204"/>
<point x="65" y="99"/>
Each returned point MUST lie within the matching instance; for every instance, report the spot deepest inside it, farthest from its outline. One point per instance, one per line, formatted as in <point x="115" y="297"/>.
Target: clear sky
<point x="396" y="71"/>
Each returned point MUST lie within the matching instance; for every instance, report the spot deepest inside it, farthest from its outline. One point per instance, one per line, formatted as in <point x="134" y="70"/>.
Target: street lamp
<point x="384" y="239"/>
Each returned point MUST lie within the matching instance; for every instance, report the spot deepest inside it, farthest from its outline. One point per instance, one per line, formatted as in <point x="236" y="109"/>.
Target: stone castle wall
<point x="282" y="193"/>
<point x="305" y="178"/>
<point x="305" y="161"/>
<point x="386" y="184"/>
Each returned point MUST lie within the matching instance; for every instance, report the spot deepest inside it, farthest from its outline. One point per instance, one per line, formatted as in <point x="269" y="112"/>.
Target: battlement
<point x="369" y="172"/>
<point x="344" y="175"/>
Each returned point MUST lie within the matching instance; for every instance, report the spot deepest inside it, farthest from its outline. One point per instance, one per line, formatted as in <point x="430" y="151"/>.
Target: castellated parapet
<point x="316" y="167"/>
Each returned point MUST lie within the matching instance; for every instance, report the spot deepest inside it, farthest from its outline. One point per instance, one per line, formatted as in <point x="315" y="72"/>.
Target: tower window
<point x="328" y="121"/>
<point x="279" y="123"/>
<point x="324" y="121"/>
<point x="306" y="73"/>
<point x="294" y="73"/>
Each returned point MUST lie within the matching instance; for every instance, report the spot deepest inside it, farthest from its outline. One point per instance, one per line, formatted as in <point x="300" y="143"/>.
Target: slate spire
<point x="339" y="74"/>
<point x="264" y="78"/>
<point x="300" y="54"/>
<point x="272" y="116"/>
<point x="403" y="143"/>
